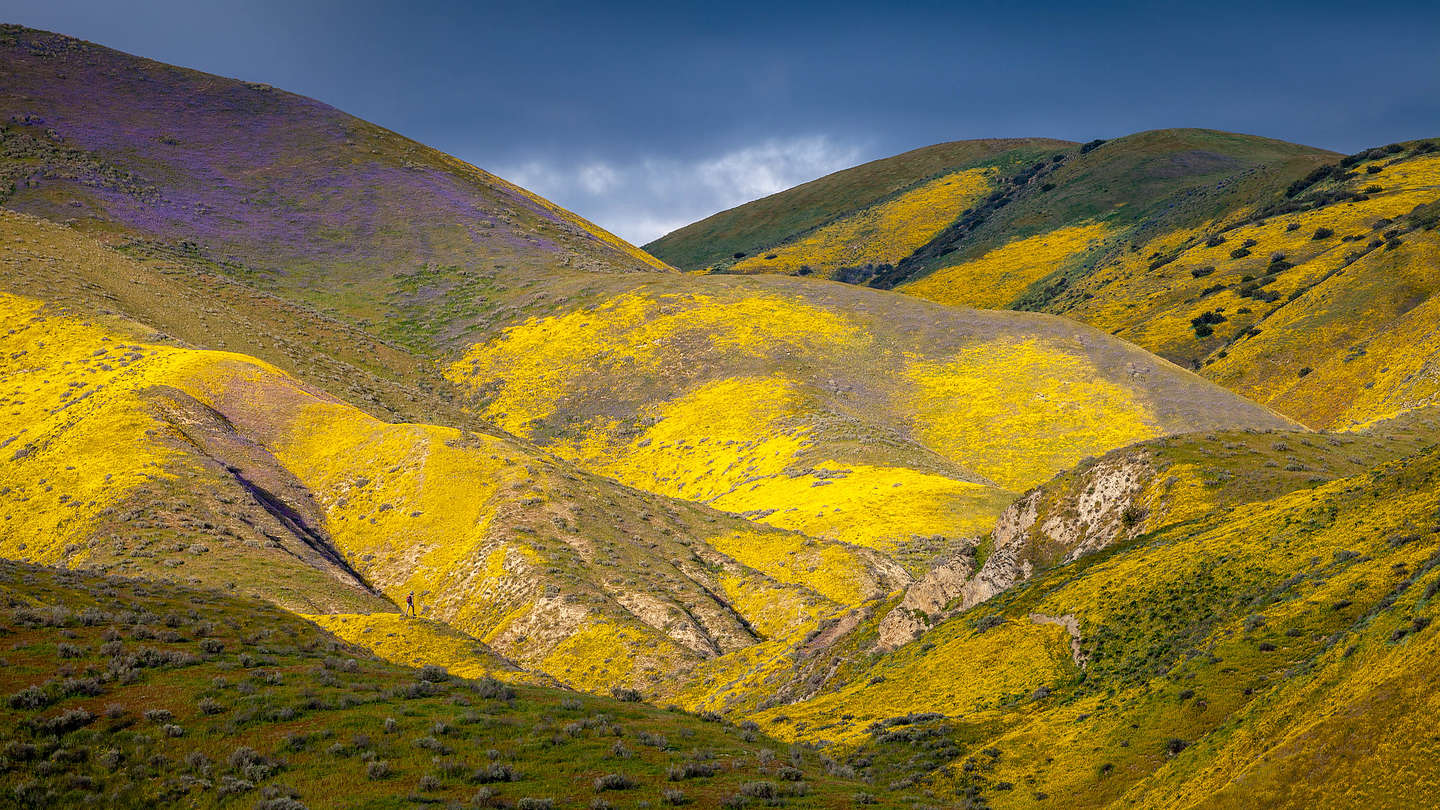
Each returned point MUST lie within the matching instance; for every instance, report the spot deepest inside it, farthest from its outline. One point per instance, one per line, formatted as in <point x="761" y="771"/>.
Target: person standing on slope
<point x="410" y="602"/>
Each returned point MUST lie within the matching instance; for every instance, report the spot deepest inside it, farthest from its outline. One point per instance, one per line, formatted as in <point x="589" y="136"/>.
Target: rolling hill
<point x="1165" y="178"/>
<point x="750" y="228"/>
<point x="1270" y="268"/>
<point x="128" y="452"/>
<point x="269" y="185"/>
<point x="840" y="412"/>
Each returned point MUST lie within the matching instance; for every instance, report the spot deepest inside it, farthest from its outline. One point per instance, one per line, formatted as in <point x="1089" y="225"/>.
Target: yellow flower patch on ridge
<point x="993" y="280"/>
<point x="78" y="435"/>
<point x="704" y="444"/>
<point x="884" y="233"/>
<point x="537" y="363"/>
<point x="879" y="507"/>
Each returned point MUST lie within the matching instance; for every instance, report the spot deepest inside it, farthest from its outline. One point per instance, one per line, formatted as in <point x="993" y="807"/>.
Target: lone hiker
<point x="410" y="602"/>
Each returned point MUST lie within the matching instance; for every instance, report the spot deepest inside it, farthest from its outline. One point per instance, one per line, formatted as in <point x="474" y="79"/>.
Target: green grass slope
<point x="1131" y="188"/>
<point x="1138" y="184"/>
<point x="123" y="693"/>
<point x="770" y="221"/>
<point x="1188" y="480"/>
<point x="199" y="306"/>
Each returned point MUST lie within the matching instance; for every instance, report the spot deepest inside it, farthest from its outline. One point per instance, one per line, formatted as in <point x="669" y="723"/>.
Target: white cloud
<point x="647" y="198"/>
<point x="597" y="178"/>
<point x="534" y="175"/>
<point x="757" y="171"/>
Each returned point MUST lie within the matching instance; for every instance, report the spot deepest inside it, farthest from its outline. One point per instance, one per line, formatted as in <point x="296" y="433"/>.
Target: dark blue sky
<point x="646" y="116"/>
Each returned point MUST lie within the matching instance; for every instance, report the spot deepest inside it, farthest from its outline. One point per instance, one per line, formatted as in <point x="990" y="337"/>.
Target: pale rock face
<point x="1093" y="518"/>
<point x="676" y="623"/>
<point x="927" y="597"/>
<point x="1088" y="517"/>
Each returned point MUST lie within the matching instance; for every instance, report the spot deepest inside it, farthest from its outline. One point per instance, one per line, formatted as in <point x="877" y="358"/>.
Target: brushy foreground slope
<point x="124" y="693"/>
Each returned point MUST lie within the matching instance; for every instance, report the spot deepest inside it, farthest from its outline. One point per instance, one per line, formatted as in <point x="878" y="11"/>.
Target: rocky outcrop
<point x="1100" y="506"/>
<point x="925" y="599"/>
<point x="1056" y="523"/>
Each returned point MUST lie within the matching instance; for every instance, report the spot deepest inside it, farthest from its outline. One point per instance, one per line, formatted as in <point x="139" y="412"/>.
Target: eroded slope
<point x="150" y="458"/>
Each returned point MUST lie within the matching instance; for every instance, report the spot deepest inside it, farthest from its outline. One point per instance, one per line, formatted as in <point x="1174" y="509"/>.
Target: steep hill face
<point x="929" y="218"/>
<point x="863" y="416"/>
<point x="281" y="189"/>
<point x="1320" y="303"/>
<point x="1335" y="273"/>
<point x="196" y="305"/>
<point x="1097" y="199"/>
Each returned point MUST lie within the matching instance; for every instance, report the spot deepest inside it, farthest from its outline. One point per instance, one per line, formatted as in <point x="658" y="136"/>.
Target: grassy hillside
<point x="767" y="223"/>
<point x="1320" y="303"/>
<point x="862" y="416"/>
<point x="936" y="222"/>
<point x="122" y="693"/>
<point x="1100" y="199"/>
<point x="882" y="233"/>
<point x="199" y="306"/>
